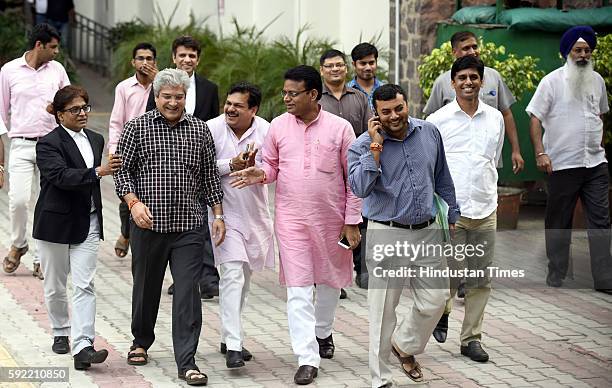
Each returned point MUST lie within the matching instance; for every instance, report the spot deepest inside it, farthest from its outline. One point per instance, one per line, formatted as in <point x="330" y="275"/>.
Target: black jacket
<point x="207" y="99"/>
<point x="66" y="188"/>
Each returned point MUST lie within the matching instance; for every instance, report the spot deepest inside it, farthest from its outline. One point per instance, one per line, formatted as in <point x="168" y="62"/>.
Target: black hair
<point x="43" y="33"/>
<point x="387" y="92"/>
<point x="246" y="87"/>
<point x="461" y="36"/>
<point x="308" y="74"/>
<point x="332" y="53"/>
<point x="186" y="41"/>
<point x="144" y="46"/>
<point x="467" y="62"/>
<point x="63" y="97"/>
<point x="362" y="50"/>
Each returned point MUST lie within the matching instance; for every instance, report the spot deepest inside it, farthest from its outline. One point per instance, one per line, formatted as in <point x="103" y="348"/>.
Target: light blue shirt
<point x="354" y="84"/>
<point x="411" y="170"/>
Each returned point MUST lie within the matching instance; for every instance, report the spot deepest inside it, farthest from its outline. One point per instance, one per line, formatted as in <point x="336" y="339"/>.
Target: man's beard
<point x="580" y="78"/>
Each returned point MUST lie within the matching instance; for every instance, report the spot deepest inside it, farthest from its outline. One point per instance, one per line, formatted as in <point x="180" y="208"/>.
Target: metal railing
<point x="89" y="44"/>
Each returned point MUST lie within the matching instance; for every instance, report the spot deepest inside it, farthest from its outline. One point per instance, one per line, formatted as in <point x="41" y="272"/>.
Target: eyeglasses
<point x="75" y="110"/>
<point x="142" y="59"/>
<point x="291" y="94"/>
<point x="334" y="65"/>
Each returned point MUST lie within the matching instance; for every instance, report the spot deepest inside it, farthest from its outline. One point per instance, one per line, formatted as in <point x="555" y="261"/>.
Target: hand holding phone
<point x="375" y="129"/>
<point x="344" y="243"/>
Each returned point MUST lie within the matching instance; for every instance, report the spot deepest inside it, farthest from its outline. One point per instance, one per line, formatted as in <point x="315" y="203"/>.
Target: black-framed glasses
<point x="291" y="94"/>
<point x="75" y="110"/>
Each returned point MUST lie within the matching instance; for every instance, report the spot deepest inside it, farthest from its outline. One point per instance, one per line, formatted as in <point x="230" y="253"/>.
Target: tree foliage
<point x="602" y="62"/>
<point x="520" y="73"/>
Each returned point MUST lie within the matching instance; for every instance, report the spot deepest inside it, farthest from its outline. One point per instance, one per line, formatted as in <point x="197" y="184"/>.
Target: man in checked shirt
<point x="168" y="177"/>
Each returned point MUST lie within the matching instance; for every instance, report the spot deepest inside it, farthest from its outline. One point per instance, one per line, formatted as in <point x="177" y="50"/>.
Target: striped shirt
<point x="411" y="170"/>
<point x="172" y="170"/>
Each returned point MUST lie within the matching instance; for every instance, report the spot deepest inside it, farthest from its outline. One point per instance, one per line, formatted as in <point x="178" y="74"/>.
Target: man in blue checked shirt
<point x="397" y="166"/>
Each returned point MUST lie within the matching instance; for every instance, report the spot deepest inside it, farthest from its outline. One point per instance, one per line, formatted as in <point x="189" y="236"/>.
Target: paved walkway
<point x="536" y="337"/>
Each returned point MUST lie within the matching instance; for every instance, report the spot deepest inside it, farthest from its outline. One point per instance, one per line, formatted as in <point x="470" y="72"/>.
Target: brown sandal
<point x="194" y="377"/>
<point x="121" y="246"/>
<point x="13" y="259"/>
<point x="131" y="356"/>
<point x="415" y="372"/>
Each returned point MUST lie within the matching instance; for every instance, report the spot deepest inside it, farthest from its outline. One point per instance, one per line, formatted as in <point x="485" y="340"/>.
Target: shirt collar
<point x="411" y="128"/>
<point x="25" y="63"/>
<point x="456" y="108"/>
<point x="313" y="121"/>
<point x="354" y="84"/>
<point x="158" y="116"/>
<point x="74" y="134"/>
<point x="345" y="90"/>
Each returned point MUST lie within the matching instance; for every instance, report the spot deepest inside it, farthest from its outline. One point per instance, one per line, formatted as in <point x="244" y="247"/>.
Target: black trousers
<point x="124" y="217"/>
<point x="210" y="275"/>
<point x="151" y="252"/>
<point x="359" y="252"/>
<point x="564" y="189"/>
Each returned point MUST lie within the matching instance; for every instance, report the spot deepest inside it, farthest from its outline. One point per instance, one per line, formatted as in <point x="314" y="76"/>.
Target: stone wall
<point x="418" y="21"/>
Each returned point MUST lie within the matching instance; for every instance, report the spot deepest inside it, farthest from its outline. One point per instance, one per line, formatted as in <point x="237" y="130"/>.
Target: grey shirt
<point x="494" y="92"/>
<point x="353" y="107"/>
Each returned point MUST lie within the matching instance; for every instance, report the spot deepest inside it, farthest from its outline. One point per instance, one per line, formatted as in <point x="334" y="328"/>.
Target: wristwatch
<point x="220" y="217"/>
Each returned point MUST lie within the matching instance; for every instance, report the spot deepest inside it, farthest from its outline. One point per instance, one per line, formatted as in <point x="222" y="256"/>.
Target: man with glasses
<point x="305" y="152"/>
<point x="27" y="85"/>
<point x="130" y="101"/>
<point x="202" y="101"/>
<point x="351" y="105"/>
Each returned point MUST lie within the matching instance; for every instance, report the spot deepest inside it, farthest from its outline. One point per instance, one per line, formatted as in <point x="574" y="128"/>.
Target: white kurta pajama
<point x="249" y="243"/>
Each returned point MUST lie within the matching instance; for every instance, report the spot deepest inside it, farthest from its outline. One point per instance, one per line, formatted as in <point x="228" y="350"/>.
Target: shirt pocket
<point x="189" y="154"/>
<point x="327" y="158"/>
<point x="487" y="145"/>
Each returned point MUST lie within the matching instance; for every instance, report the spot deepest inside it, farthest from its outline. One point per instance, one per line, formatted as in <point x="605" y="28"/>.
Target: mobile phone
<point x="344" y="243"/>
<point x="249" y="149"/>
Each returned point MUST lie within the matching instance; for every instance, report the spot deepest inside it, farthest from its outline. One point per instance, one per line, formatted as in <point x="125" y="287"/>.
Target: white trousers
<point x="429" y="296"/>
<point x="57" y="260"/>
<point x="308" y="319"/>
<point x="234" y="285"/>
<point x="23" y="179"/>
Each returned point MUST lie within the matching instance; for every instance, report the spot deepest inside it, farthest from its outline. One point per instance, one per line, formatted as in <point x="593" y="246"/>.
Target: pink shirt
<point x="313" y="200"/>
<point x="249" y="235"/>
<point x="130" y="102"/>
<point x="25" y="93"/>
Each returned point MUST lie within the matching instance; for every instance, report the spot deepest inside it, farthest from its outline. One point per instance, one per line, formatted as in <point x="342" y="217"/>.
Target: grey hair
<point x="170" y="77"/>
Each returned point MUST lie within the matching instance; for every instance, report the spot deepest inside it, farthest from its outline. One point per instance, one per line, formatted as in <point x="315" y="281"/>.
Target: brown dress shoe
<point x="13" y="258"/>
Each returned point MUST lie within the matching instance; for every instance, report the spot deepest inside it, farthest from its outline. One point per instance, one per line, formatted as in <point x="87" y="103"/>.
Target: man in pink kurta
<point x="305" y="153"/>
<point x="249" y="241"/>
<point x="131" y="96"/>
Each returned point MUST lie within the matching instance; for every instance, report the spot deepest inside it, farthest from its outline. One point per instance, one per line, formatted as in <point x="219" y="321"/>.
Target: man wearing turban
<point x="569" y="104"/>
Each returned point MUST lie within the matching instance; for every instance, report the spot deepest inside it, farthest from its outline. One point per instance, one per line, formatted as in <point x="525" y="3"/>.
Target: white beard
<point x="579" y="79"/>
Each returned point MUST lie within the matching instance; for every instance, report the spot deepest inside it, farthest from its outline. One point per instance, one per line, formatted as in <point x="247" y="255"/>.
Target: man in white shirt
<point x="473" y="137"/>
<point x="570" y="103"/>
<point x="249" y="241"/>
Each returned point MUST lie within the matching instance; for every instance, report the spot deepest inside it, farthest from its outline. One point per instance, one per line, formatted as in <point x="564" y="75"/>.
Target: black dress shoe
<point x="60" y="345"/>
<point x="441" y="329"/>
<point x="233" y="359"/>
<point x="553" y="280"/>
<point x="461" y="290"/>
<point x="343" y="294"/>
<point x="475" y="352"/>
<point x="88" y="356"/>
<point x="209" y="292"/>
<point x="305" y="375"/>
<point x="326" y="347"/>
<point x="171" y="289"/>
<point x="246" y="355"/>
<point x="362" y="280"/>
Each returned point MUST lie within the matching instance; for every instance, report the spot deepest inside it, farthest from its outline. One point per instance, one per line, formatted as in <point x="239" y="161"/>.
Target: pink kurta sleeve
<point x="352" y="210"/>
<point x="5" y="97"/>
<point x="270" y="155"/>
